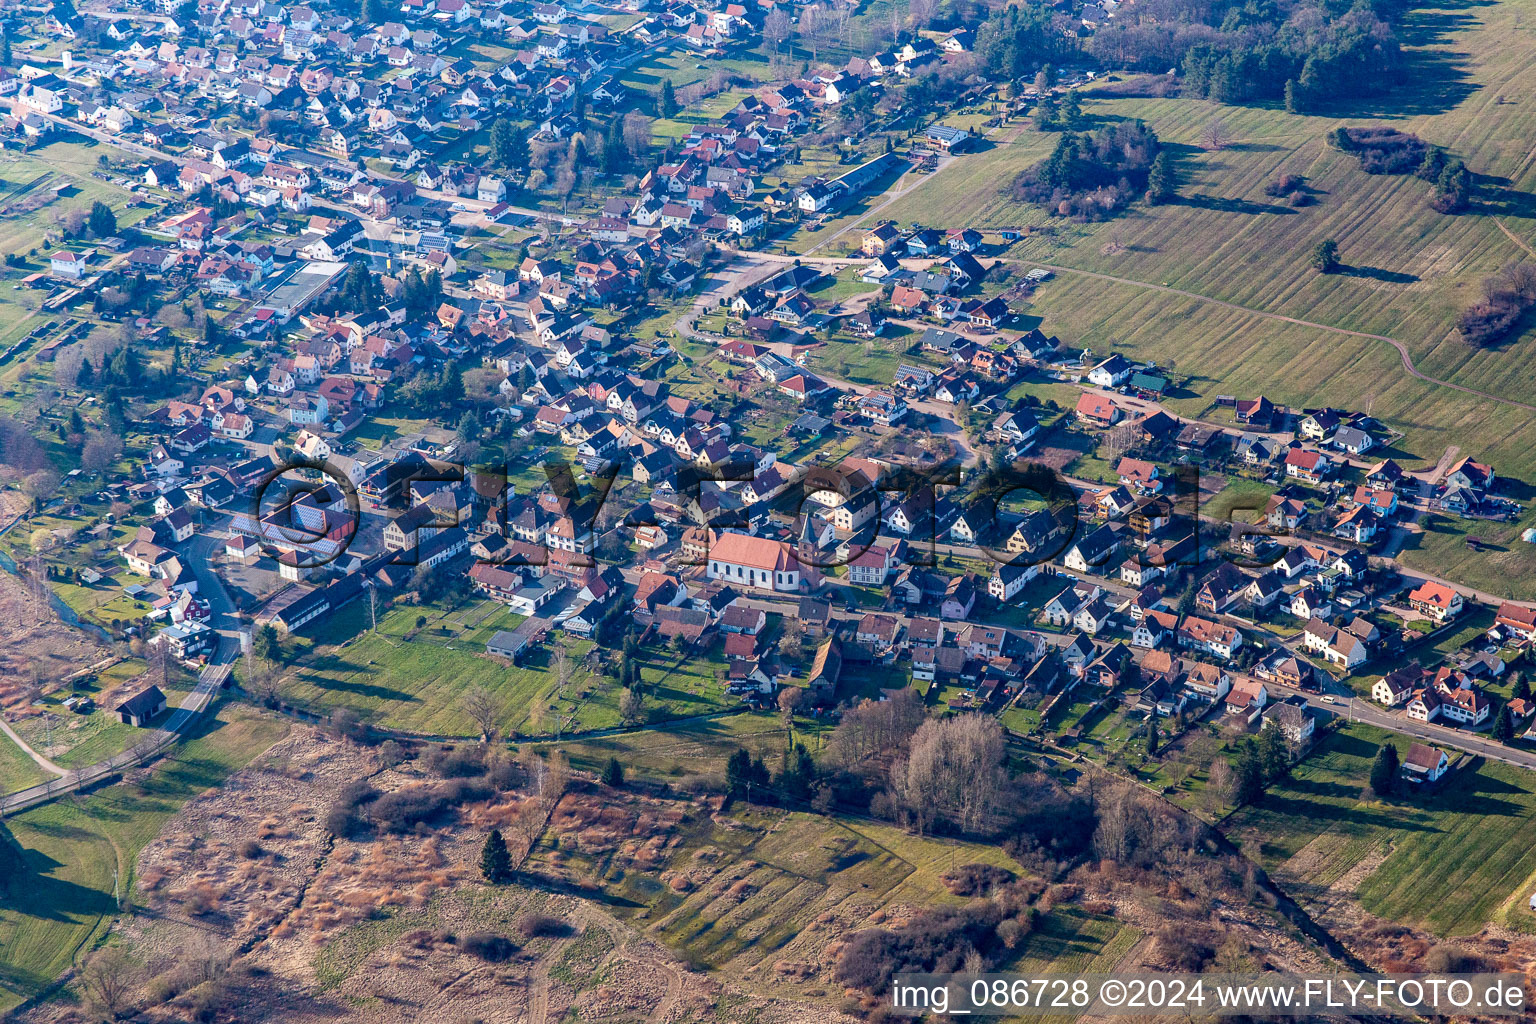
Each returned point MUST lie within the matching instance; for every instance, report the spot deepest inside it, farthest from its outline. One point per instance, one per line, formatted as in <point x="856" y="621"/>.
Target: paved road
<point x="1358" y="709"/>
<point x="186" y="716"/>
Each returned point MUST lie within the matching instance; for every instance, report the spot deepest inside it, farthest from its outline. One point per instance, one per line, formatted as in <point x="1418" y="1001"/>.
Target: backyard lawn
<point x="413" y="678"/>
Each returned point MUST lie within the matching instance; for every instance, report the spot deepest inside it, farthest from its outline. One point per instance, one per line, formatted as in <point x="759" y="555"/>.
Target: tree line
<point x="1259" y="51"/>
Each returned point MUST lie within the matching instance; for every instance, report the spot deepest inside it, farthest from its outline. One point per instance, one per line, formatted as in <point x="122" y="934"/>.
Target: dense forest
<point x="1092" y="175"/>
<point x="1302" y="53"/>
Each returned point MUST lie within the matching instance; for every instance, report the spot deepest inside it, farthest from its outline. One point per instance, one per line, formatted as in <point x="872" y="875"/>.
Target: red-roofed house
<point x="1098" y="410"/>
<point x="1436" y="600"/>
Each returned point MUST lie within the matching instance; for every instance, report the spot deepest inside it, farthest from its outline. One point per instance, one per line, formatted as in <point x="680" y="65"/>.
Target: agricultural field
<point x="411" y="677"/>
<point x="1449" y="859"/>
<point x="760" y="893"/>
<point x="688" y="748"/>
<point x="684" y="68"/>
<point x="80" y="850"/>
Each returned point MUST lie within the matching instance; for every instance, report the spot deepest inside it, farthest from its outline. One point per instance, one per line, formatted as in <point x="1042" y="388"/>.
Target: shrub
<point x="976" y="879"/>
<point x="1386" y="150"/>
<point x="1185" y="947"/>
<point x="534" y="926"/>
<point x="1507" y="296"/>
<point x="1284" y="185"/>
<point x="345" y="815"/>
<point x="1447" y="959"/>
<point x="456" y="762"/>
<point x="488" y="946"/>
<point x="937" y="941"/>
<point x="251" y="849"/>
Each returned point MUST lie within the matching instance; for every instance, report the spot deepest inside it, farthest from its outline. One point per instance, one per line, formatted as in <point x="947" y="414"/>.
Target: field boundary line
<point x="1512" y="236"/>
<point x="1402" y="349"/>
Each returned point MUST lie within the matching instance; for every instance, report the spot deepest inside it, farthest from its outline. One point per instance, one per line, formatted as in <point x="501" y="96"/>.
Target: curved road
<point x="186" y="716"/>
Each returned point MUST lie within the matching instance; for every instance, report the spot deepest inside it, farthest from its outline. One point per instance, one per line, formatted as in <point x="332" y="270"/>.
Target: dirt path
<point x="1444" y="465"/>
<point x="42" y="762"/>
<point x="1513" y="237"/>
<point x="627" y="943"/>
<point x="1402" y="350"/>
<point x="538" y="982"/>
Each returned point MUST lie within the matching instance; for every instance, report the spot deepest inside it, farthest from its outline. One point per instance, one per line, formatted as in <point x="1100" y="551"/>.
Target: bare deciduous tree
<point x="1215" y="135"/>
<point x="954" y="771"/>
<point x="66" y="366"/>
<point x="637" y="134"/>
<point x="632" y="706"/>
<point x="101" y="450"/>
<point x="874" y="727"/>
<point x="484" y="710"/>
<point x="109" y="979"/>
<point x="776" y="28"/>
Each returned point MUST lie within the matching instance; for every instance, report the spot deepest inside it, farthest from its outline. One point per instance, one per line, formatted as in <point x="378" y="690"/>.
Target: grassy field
<point x="1239" y="501"/>
<point x="687" y="68"/>
<point x="782" y="877"/>
<point x="75" y="847"/>
<point x="412" y="678"/>
<point x="1448" y="860"/>
<point x="1408" y="268"/>
<point x="17" y="770"/>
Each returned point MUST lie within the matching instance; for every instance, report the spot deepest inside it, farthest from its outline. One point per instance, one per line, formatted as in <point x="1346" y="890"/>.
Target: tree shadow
<point x="1378" y="274"/>
<point x="1225" y="204"/>
<point x="1496" y="196"/>
<point x="1434" y="80"/>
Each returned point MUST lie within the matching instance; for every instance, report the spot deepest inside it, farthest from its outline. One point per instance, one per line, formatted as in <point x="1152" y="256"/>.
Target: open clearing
<point x="1448" y="857"/>
<point x="77" y="848"/>
<point x="413" y="678"/>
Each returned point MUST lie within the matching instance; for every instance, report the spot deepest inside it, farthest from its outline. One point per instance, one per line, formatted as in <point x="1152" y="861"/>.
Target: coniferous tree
<point x="1275" y="756"/>
<point x="613" y="773"/>
<point x="509" y="146"/>
<point x="1152" y="738"/>
<point x="1325" y="258"/>
<point x="1503" y="727"/>
<point x="1453" y="189"/>
<point x="613" y="148"/>
<point x="102" y="221"/>
<point x="738" y="771"/>
<point x="1071" y="116"/>
<point x="1384" y="770"/>
<point x="1162" y="186"/>
<point x="668" y="104"/>
<point x="1045" y="112"/>
<point x="1249" y="774"/>
<point x="495" y="860"/>
<point x="1293" y="101"/>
